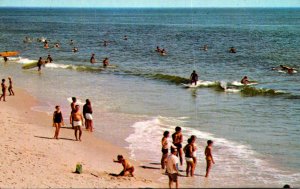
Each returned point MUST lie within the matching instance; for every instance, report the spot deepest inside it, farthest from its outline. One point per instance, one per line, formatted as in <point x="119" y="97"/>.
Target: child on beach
<point x="10" y="87"/>
<point x="128" y="169"/>
<point x="58" y="121"/>
<point x="3" y="86"/>
<point x="209" y="157"/>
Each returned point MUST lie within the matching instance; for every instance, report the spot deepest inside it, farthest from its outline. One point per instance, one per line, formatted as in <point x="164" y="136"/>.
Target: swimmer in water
<point x="232" y="50"/>
<point x="245" y="80"/>
<point x="92" y="59"/>
<point x="105" y="62"/>
<point x="75" y="49"/>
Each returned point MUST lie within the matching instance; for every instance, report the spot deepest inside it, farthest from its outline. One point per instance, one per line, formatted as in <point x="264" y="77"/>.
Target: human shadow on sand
<point x="54" y="138"/>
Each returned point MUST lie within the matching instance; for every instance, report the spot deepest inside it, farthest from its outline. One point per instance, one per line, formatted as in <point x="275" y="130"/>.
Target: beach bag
<point x="78" y="168"/>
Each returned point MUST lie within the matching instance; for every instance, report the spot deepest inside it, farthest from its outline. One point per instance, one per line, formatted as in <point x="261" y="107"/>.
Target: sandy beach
<point x="31" y="158"/>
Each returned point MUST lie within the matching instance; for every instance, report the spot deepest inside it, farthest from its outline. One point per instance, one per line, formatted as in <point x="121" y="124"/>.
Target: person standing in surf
<point x="105" y="62"/>
<point x="190" y="164"/>
<point x="177" y="140"/>
<point x="49" y="59"/>
<point x="10" y="87"/>
<point x="209" y="157"/>
<point x="3" y="86"/>
<point x="87" y="114"/>
<point x="164" y="149"/>
<point x="92" y="59"/>
<point x="40" y="63"/>
<point x="194" y="77"/>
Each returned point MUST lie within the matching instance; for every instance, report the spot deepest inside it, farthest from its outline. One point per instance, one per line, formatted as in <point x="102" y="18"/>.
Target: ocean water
<point x="256" y="130"/>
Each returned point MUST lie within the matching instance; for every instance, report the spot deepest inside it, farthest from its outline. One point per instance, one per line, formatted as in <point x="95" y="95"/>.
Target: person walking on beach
<point x="172" y="162"/>
<point x="10" y="87"/>
<point x="58" y="121"/>
<point x="209" y="157"/>
<point x="188" y="150"/>
<point x="128" y="169"/>
<point x="177" y="140"/>
<point x="92" y="59"/>
<point x="77" y="120"/>
<point x="73" y="109"/>
<point x="87" y="114"/>
<point x="3" y="86"/>
<point x="194" y="77"/>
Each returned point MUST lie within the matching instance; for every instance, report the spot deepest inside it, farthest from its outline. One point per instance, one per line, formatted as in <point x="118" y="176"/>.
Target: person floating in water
<point x="194" y="77"/>
<point x="205" y="47"/>
<point x="10" y="87"/>
<point x="232" y="50"/>
<point x="287" y="69"/>
<point x="128" y="169"/>
<point x="40" y="63"/>
<point x="71" y="42"/>
<point x="105" y="43"/>
<point x="163" y="52"/>
<point x="245" y="80"/>
<point x="75" y="49"/>
<point x="105" y="62"/>
<point x="209" y="157"/>
<point x="92" y="59"/>
<point x="46" y="45"/>
<point x="57" y="45"/>
<point x="49" y="59"/>
<point x="3" y="87"/>
<point x="125" y="37"/>
<point x="157" y="49"/>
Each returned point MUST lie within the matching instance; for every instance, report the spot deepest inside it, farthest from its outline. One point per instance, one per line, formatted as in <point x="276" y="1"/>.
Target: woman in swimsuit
<point x="57" y="121"/>
<point x="10" y="88"/>
<point x="188" y="150"/>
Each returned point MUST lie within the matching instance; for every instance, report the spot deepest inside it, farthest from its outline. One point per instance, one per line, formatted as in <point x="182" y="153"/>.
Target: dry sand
<point x="31" y="158"/>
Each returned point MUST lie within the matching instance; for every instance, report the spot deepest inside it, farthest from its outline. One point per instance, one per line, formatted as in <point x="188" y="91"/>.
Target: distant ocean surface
<point x="256" y="130"/>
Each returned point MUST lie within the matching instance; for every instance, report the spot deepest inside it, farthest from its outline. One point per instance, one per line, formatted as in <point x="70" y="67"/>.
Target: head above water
<point x="178" y="129"/>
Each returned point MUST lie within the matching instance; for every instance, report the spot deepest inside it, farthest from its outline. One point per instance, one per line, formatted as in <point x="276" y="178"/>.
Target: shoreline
<point x="35" y="153"/>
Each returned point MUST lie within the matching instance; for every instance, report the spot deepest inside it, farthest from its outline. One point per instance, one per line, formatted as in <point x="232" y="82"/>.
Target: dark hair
<point x="189" y="140"/>
<point x="193" y="137"/>
<point x="178" y="129"/>
<point x="73" y="99"/>
<point x="209" y="142"/>
<point x="120" y="157"/>
<point x="56" y="107"/>
<point x="286" y="186"/>
<point x="166" y="133"/>
<point x="3" y="80"/>
<point x="173" y="149"/>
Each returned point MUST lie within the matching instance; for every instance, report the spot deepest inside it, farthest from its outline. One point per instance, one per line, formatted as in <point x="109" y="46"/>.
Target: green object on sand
<point x="78" y="168"/>
<point x="30" y="65"/>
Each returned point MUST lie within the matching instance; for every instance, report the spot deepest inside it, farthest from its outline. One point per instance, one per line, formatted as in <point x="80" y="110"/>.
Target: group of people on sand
<point x="77" y="119"/>
<point x="105" y="61"/>
<point x="170" y="162"/>
<point x="162" y="52"/>
<point x="4" y="88"/>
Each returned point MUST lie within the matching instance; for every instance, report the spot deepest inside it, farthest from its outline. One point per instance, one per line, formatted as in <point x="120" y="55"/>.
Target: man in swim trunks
<point x="188" y="150"/>
<point x="128" y="169"/>
<point x="77" y="120"/>
<point x="172" y="169"/>
<point x="49" y="58"/>
<point x="209" y="157"/>
<point x="194" y="77"/>
<point x="177" y="140"/>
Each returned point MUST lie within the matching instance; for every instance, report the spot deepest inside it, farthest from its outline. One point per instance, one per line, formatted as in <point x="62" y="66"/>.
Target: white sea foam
<point x="234" y="160"/>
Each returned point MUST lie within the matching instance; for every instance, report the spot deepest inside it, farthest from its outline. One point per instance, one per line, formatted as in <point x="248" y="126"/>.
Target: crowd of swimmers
<point x="170" y="162"/>
<point x="4" y="88"/>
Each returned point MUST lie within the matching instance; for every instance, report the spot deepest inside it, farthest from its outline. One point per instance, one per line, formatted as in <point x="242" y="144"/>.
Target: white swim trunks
<point x="77" y="123"/>
<point x="189" y="159"/>
<point x="88" y="116"/>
